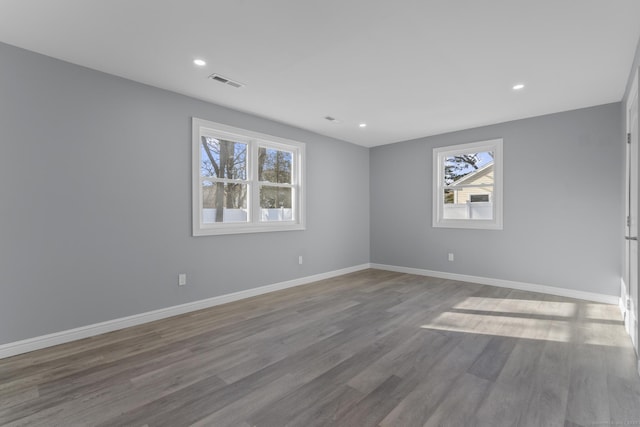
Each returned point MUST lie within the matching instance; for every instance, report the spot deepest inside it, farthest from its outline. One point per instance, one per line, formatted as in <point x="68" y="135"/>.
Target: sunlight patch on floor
<point x="596" y="311"/>
<point x="505" y="326"/>
<point x="511" y="320"/>
<point x="520" y="306"/>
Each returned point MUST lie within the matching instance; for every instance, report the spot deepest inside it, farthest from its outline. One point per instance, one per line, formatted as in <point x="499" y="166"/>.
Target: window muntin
<point x="244" y="181"/>
<point x="468" y="185"/>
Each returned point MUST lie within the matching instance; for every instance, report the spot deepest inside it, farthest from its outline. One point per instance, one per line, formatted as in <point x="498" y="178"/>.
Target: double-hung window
<point x="467" y="185"/>
<point x="245" y="182"/>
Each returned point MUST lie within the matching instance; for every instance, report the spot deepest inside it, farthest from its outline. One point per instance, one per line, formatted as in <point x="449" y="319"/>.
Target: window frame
<point x="254" y="141"/>
<point x="439" y="155"/>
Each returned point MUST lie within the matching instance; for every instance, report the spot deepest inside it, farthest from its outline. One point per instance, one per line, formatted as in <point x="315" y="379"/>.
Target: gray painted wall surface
<point x="85" y="157"/>
<point x="563" y="204"/>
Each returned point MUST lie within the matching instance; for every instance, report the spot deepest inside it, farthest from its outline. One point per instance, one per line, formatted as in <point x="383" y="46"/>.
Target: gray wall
<point x="86" y="157"/>
<point x="563" y="204"/>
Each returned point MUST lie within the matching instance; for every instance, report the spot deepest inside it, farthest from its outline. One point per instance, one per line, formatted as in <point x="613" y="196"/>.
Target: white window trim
<point x="439" y="154"/>
<point x="254" y="140"/>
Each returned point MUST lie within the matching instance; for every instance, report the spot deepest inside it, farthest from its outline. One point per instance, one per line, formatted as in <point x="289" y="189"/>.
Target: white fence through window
<point x="468" y="210"/>
<point x="240" y="215"/>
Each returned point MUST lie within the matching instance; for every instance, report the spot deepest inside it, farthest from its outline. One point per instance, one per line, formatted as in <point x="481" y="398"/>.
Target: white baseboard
<point x="37" y="343"/>
<point x="551" y="290"/>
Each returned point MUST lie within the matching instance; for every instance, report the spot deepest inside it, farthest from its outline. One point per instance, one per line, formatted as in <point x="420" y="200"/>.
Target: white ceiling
<point x="408" y="68"/>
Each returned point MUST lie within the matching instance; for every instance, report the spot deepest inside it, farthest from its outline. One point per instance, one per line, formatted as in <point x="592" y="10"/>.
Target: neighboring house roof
<point x="473" y="175"/>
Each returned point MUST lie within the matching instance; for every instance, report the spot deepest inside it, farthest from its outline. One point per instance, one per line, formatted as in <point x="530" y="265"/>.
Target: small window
<point x="477" y="198"/>
<point x="467" y="185"/>
<point x="245" y="182"/>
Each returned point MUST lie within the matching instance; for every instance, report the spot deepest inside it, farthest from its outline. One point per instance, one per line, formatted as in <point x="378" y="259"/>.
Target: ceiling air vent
<point x="222" y="79"/>
<point x="332" y="119"/>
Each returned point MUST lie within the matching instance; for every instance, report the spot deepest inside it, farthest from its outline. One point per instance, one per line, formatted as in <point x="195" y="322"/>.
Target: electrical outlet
<point x="182" y="279"/>
<point x="450" y="256"/>
<point x="300" y="260"/>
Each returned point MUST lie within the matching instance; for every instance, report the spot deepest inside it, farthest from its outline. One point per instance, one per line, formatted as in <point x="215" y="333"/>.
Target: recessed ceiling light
<point x="518" y="86"/>
<point x="199" y="62"/>
<point x="363" y="125"/>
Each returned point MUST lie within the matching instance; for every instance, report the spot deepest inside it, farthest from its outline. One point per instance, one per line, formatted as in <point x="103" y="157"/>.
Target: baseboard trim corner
<point x="62" y="337"/>
<point x="550" y="290"/>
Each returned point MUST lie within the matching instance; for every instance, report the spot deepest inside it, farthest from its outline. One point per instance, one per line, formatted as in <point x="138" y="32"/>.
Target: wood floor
<point x="372" y="348"/>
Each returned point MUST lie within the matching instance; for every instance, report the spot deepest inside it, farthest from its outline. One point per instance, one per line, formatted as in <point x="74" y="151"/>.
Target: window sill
<point x="477" y="224"/>
<point x="215" y="230"/>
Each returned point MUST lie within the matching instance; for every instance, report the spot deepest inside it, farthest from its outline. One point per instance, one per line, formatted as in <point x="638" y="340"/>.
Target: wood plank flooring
<point x="372" y="348"/>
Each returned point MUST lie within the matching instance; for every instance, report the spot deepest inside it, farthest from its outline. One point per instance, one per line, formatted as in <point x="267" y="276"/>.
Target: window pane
<point x="274" y="165"/>
<point x="223" y="202"/>
<point x="468" y="203"/>
<point x="275" y="204"/>
<point x="449" y="196"/>
<point x="469" y="168"/>
<point x="223" y="159"/>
